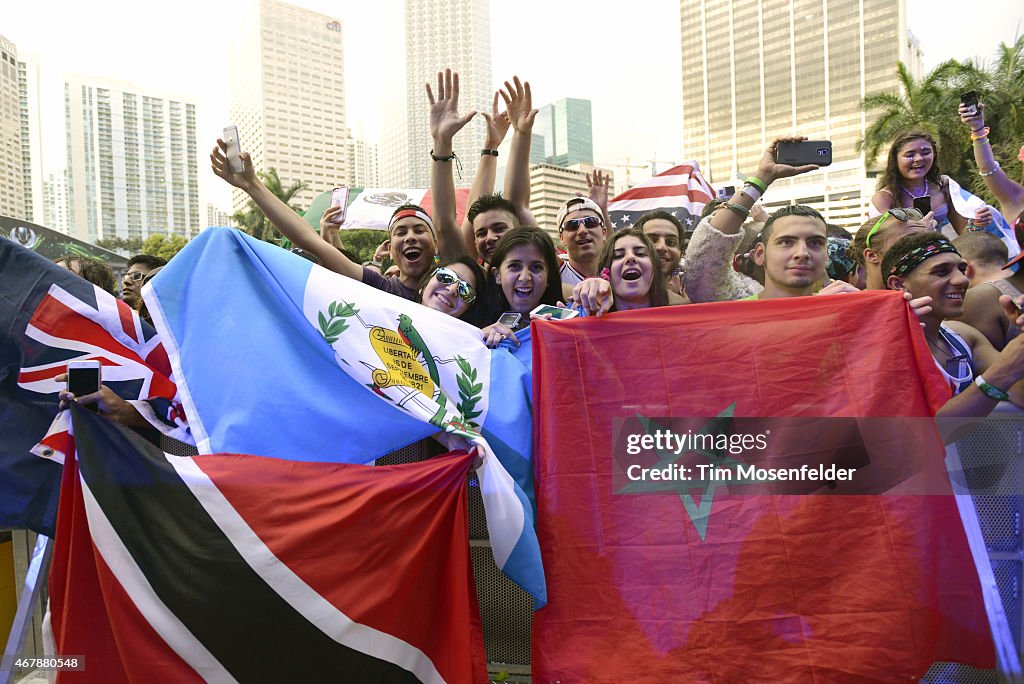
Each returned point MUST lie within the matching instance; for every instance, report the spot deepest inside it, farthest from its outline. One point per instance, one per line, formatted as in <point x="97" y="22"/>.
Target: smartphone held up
<point x="234" y="149"/>
<point x="339" y="198"/>
<point x="803" y="152"/>
<point x="970" y="102"/>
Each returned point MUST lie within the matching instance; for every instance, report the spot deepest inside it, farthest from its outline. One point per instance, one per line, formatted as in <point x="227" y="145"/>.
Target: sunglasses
<point x="446" y="276"/>
<point x="134" y="276"/>
<point x="588" y="222"/>
<point x="898" y="214"/>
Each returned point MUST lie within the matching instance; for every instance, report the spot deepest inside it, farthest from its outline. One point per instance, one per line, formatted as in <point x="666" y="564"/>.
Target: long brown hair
<point x="891" y="180"/>
<point x="659" y="292"/>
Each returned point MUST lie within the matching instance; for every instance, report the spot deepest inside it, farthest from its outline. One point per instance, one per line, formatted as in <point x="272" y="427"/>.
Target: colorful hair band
<point x="914" y="258"/>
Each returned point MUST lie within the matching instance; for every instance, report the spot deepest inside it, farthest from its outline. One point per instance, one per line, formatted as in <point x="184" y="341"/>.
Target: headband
<point x="406" y="213"/>
<point x="912" y="259"/>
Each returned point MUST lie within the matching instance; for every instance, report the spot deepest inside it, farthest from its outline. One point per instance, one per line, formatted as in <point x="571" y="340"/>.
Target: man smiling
<point x="581" y="229"/>
<point x="927" y="264"/>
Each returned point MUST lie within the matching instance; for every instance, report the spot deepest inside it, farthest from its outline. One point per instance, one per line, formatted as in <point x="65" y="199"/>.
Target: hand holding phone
<point x="970" y="102"/>
<point x="923" y="204"/>
<point x="339" y="198"/>
<point x="234" y="150"/>
<point x="804" y="152"/>
<point x="84" y="378"/>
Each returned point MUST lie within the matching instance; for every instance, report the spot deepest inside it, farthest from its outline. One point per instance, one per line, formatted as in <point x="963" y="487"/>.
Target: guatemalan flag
<point x="279" y="357"/>
<point x="681" y="191"/>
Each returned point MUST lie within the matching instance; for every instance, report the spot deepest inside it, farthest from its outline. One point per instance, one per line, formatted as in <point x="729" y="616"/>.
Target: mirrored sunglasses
<point x="446" y="276"/>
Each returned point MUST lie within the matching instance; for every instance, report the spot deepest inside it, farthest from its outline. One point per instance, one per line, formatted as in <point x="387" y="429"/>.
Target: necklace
<point x="913" y="196"/>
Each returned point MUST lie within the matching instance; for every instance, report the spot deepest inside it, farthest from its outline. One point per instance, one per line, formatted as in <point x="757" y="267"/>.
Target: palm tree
<point x="929" y="105"/>
<point x="252" y="221"/>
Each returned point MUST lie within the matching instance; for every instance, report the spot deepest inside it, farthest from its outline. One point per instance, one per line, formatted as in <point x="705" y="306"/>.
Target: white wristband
<point x="752" y="191"/>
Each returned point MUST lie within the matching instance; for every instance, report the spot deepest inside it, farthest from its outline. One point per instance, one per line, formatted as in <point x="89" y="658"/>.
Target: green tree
<point x="252" y="221"/>
<point x="129" y="245"/>
<point x="363" y="242"/>
<point x="163" y="246"/>
<point x="930" y="105"/>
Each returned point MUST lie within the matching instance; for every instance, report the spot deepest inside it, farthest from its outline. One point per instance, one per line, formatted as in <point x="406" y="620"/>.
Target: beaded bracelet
<point x="983" y="174"/>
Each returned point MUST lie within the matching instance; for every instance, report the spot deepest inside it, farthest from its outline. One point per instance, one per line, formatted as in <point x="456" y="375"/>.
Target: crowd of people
<point x="952" y="269"/>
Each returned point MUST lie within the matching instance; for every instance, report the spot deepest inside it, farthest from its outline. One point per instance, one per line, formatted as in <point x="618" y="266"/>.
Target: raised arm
<point x="329" y="231"/>
<point x="1007" y="192"/>
<point x="519" y="103"/>
<point x="597" y="190"/>
<point x="293" y="226"/>
<point x="445" y="122"/>
<point x="487" y="168"/>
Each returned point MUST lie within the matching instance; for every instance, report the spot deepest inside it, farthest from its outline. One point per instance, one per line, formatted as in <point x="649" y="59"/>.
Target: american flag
<point x="681" y="191"/>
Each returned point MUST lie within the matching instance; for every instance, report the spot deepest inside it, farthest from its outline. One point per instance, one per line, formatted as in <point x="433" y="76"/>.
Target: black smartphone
<point x="970" y="101"/>
<point x="84" y="378"/>
<point x="923" y="204"/>
<point x="817" y="152"/>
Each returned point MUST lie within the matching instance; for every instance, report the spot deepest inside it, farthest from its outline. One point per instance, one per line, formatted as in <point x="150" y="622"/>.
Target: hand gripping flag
<point x="967" y="204"/>
<point x="228" y="568"/>
<point x="681" y="191"/>
<point x="701" y="581"/>
<point x="48" y="317"/>
<point x="278" y="357"/>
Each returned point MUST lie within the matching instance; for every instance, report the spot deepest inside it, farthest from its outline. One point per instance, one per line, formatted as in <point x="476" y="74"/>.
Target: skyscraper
<point x="439" y="34"/>
<point x="757" y="69"/>
<point x="287" y="96"/>
<point x="56" y="210"/>
<point x="31" y="139"/>
<point x="12" y="187"/>
<point x="566" y="128"/>
<point x="132" y="161"/>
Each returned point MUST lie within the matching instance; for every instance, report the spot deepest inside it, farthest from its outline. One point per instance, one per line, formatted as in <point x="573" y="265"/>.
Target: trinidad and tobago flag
<point x="48" y="317"/>
<point x="230" y="568"/>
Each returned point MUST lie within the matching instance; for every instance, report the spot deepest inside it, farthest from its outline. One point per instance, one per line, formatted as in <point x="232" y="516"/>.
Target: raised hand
<point x="329" y="232"/>
<point x="769" y="170"/>
<point x="598" y="186"/>
<point x="219" y="163"/>
<point x="519" y="103"/>
<point x="982" y="217"/>
<point x="975" y="121"/>
<point x="445" y="121"/>
<point x="497" y="125"/>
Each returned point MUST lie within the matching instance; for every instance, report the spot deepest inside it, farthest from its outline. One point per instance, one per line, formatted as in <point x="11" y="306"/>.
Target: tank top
<point x="965" y="373"/>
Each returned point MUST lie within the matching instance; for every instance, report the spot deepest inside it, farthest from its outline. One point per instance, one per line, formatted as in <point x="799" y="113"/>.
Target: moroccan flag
<point x="243" y="568"/>
<point x="681" y="191"/>
<point x="701" y="582"/>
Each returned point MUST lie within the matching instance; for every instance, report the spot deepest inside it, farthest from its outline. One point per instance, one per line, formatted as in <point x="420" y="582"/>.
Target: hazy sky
<point x="626" y="62"/>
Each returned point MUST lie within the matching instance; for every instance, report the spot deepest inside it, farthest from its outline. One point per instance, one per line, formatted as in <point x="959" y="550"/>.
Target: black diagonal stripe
<point x="199" y="574"/>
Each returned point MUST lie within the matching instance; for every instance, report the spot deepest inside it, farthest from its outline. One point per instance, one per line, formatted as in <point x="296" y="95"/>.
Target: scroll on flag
<point x="170" y="568"/>
<point x="706" y="582"/>
<point x="293" y="361"/>
<point x="681" y="191"/>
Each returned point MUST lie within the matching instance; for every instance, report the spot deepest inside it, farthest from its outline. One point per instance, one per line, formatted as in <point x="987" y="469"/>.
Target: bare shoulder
<point x="882" y="199"/>
<point x="982" y="300"/>
<point x="970" y="334"/>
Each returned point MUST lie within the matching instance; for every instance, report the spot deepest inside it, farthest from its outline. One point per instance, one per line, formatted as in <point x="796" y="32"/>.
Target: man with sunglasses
<point x="928" y="265"/>
<point x="139" y="266"/>
<point x="582" y="230"/>
<point x="884" y="232"/>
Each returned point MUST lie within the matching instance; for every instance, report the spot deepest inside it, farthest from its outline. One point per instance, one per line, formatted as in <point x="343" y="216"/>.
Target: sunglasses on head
<point x="446" y="276"/>
<point x="572" y="225"/>
<point x="898" y="214"/>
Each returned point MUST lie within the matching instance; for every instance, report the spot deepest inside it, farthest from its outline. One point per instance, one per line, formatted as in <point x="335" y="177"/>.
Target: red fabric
<point x="91" y="615"/>
<point x="782" y="588"/>
<point x="461" y="199"/>
<point x="405" y="531"/>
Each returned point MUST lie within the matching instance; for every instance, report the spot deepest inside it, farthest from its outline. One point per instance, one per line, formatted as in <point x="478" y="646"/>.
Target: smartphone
<point x="817" y="152"/>
<point x="726" y="192"/>
<point x="84" y="377"/>
<point x="510" y="319"/>
<point x="970" y="101"/>
<point x="234" y="149"/>
<point x="557" y="312"/>
<point x="339" y="198"/>
<point x="923" y="204"/>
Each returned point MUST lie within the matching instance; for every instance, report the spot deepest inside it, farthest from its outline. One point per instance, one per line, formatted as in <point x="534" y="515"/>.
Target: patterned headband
<point x="912" y="259"/>
<point x="406" y="213"/>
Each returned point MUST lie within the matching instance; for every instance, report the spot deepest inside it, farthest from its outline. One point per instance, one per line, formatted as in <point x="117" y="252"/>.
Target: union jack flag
<point x="48" y="317"/>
